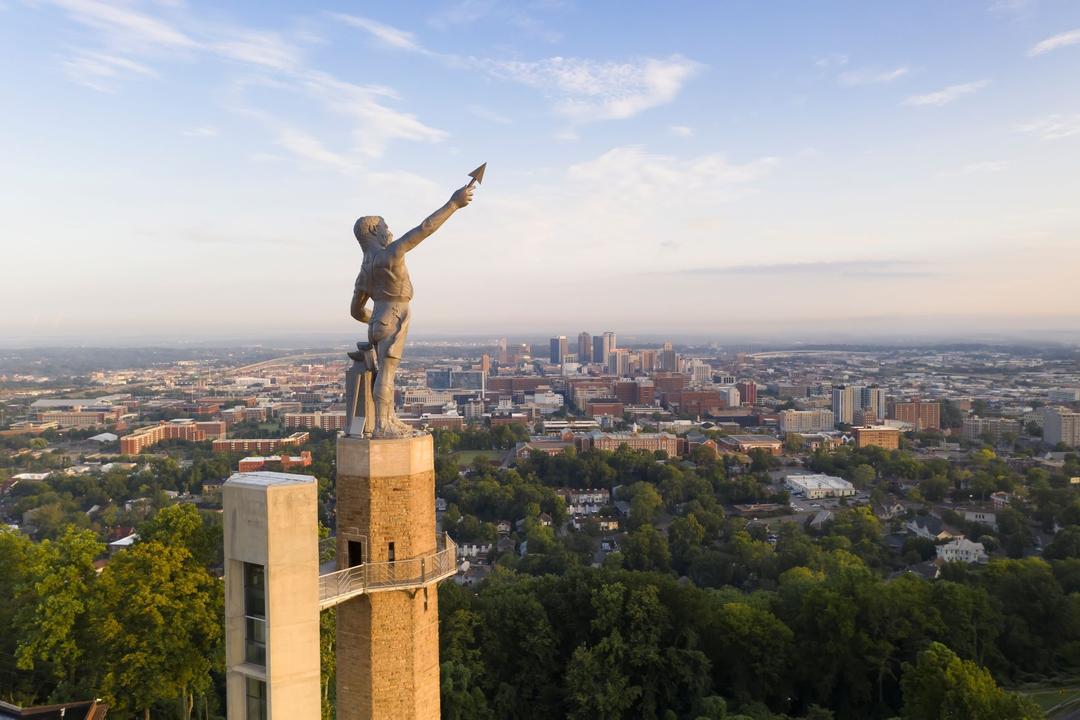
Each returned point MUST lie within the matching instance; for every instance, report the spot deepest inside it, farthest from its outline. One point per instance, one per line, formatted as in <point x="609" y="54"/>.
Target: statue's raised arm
<point x="461" y="198"/>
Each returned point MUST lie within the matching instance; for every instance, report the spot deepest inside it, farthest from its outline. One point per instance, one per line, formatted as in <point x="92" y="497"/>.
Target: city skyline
<point x="179" y="170"/>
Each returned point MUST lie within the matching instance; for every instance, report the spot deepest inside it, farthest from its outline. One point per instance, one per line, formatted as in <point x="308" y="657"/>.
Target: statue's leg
<point x="386" y="422"/>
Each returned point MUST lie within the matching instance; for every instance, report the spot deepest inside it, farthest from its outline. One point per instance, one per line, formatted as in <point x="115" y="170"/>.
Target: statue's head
<point x="371" y="232"/>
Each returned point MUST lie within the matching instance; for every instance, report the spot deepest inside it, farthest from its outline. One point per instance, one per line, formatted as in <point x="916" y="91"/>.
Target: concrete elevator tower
<point x="271" y="596"/>
<point x="388" y="634"/>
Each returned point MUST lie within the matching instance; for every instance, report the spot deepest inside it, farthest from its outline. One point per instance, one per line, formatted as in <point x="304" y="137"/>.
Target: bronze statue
<point x="384" y="279"/>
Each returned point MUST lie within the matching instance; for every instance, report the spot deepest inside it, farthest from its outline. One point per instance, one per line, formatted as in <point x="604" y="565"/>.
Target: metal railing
<point x="341" y="585"/>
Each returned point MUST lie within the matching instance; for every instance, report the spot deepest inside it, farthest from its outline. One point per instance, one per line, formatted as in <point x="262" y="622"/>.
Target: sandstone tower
<point x="388" y="637"/>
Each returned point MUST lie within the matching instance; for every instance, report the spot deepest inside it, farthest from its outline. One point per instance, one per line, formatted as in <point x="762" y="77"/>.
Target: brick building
<point x="883" y="437"/>
<point x="260" y="445"/>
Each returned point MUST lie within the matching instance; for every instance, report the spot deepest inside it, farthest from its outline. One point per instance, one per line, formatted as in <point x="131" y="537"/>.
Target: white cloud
<point x="401" y="39"/>
<point x="125" y="24"/>
<point x="855" y="78"/>
<point x="203" y="131"/>
<point x="683" y="131"/>
<point x="632" y="171"/>
<point x="1053" y="127"/>
<point x="97" y="70"/>
<point x="374" y="123"/>
<point x="1060" y="40"/>
<point x="309" y="148"/>
<point x="831" y="61"/>
<point x="265" y="49"/>
<point x="947" y="95"/>
<point x="590" y="90"/>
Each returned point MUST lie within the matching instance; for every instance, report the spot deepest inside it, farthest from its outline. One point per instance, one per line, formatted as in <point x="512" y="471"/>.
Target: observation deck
<point x="409" y="574"/>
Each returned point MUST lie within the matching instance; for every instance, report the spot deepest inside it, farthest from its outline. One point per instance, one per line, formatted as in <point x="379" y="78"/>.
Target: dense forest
<point x="698" y="614"/>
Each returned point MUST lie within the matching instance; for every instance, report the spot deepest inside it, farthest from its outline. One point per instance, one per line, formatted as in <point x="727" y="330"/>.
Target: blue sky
<point x="173" y="167"/>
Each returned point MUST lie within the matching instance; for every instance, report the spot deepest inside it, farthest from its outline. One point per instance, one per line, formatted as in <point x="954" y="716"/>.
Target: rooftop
<point x="265" y="478"/>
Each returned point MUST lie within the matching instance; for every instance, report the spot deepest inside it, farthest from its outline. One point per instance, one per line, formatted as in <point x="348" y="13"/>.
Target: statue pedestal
<point x="387" y="640"/>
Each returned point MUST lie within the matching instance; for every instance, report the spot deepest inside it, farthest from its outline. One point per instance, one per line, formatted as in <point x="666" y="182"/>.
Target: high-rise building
<point x="599" y="350"/>
<point x="502" y="355"/>
<point x="806" y="421"/>
<point x="872" y="399"/>
<point x="700" y="372"/>
<point x="609" y="341"/>
<point x="1061" y="425"/>
<point x="618" y="362"/>
<point x="923" y="415"/>
<point x="648" y="360"/>
<point x="730" y="395"/>
<point x="843" y="404"/>
<point x="669" y="359"/>
<point x="559" y="348"/>
<point x="748" y="392"/>
<point x="584" y="347"/>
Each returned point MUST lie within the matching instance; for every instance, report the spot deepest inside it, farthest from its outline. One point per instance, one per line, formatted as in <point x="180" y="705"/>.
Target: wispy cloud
<point x="309" y="148"/>
<point x="395" y="37"/>
<point x="265" y="49"/>
<point x="1053" y="127"/>
<point x="633" y="171"/>
<point x="590" y="90"/>
<point x="834" y="60"/>
<point x="683" y="131"/>
<point x="855" y="78"/>
<point x="98" y="71"/>
<point x="948" y="94"/>
<point x="1072" y="37"/>
<point x="126" y="24"/>
<point x="375" y="122"/>
<point x="204" y="131"/>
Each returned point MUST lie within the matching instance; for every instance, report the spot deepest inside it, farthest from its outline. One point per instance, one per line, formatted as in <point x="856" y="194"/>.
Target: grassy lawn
<point x="465" y="457"/>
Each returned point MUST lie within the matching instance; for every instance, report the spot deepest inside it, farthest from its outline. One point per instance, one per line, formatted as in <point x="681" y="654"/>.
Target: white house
<point x="962" y="550"/>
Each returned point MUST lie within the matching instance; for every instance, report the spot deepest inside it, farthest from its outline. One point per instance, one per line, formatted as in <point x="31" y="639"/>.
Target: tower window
<point x="255" y="706"/>
<point x="255" y="614"/>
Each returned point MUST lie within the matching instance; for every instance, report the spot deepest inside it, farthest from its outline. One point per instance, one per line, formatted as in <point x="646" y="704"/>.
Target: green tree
<point x="54" y="621"/>
<point x="941" y="686"/>
<point x="159" y="626"/>
<point x="646" y="549"/>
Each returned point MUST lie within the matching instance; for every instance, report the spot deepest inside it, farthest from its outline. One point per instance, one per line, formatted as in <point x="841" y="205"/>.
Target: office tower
<point x="669" y="359"/>
<point x="843" y="405"/>
<point x="584" y="348"/>
<point x="648" y="360"/>
<point x="872" y="399"/>
<point x="599" y="350"/>
<point x="558" y="349"/>
<point x="609" y="341"/>
<point x="502" y="355"/>
<point x="700" y="372"/>
<point x="748" y="392"/>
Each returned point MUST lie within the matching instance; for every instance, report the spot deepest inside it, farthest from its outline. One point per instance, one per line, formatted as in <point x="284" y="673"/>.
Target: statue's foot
<point x="394" y="428"/>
